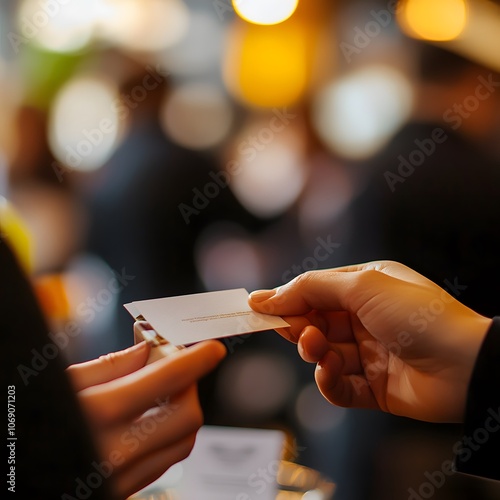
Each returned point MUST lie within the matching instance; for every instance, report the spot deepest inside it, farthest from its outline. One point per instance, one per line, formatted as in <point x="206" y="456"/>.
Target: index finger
<point x="133" y="394"/>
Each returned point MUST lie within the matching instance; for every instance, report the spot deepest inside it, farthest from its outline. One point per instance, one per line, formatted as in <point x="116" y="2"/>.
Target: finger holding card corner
<point x="160" y="348"/>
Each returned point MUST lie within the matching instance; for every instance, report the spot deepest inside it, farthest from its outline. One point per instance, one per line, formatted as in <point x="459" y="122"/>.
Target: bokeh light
<point x="356" y="114"/>
<point x="88" y="276"/>
<point x="266" y="66"/>
<point x="84" y="124"/>
<point x="315" y="413"/>
<point x="54" y="223"/>
<point x="243" y="384"/>
<point x="192" y="54"/>
<point x="145" y="25"/>
<point x="265" y="12"/>
<point x="271" y="172"/>
<point x="435" y="21"/>
<point x="228" y="258"/>
<point x="197" y="115"/>
<point x="329" y="191"/>
<point x="59" y="26"/>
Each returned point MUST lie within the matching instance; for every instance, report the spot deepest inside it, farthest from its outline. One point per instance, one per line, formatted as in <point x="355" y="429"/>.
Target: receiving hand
<point x="383" y="336"/>
<point x="144" y="418"/>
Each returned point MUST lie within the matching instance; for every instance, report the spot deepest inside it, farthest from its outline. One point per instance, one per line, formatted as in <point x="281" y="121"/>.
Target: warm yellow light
<point x="15" y="230"/>
<point x="435" y="20"/>
<point x="267" y="66"/>
<point x="264" y="11"/>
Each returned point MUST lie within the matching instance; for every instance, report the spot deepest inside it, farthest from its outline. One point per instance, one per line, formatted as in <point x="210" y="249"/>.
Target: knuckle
<point x="368" y="275"/>
<point x="304" y="280"/>
<point x="109" y="359"/>
<point x="362" y="287"/>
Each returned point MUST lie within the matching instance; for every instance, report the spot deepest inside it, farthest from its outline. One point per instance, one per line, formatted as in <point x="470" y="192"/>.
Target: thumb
<point x="338" y="289"/>
<point x="109" y="367"/>
<point x="321" y="290"/>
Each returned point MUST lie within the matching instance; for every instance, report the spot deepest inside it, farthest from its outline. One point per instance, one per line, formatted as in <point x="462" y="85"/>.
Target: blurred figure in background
<point x="51" y="209"/>
<point x="136" y="221"/>
<point x="431" y="202"/>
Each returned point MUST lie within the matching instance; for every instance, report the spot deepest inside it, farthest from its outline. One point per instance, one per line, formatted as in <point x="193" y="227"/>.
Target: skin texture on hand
<point x="143" y="418"/>
<point x="383" y="336"/>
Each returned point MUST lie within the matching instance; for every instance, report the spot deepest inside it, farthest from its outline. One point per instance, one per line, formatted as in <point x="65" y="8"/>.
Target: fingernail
<point x="261" y="295"/>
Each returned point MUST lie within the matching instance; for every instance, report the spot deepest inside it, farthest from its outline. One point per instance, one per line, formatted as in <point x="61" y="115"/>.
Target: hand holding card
<point x="160" y="348"/>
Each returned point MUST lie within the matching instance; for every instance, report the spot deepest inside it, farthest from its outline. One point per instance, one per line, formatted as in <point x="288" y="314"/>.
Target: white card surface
<point x="187" y="319"/>
<point x="232" y="464"/>
<point x="227" y="463"/>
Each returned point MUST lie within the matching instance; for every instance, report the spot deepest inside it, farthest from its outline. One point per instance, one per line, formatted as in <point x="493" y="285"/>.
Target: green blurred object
<point x="43" y="73"/>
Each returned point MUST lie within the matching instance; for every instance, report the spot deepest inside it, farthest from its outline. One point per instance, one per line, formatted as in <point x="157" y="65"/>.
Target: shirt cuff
<point x="478" y="451"/>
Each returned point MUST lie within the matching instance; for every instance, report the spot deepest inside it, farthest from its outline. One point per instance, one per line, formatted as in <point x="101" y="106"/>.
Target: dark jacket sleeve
<point x="480" y="447"/>
<point x="50" y="453"/>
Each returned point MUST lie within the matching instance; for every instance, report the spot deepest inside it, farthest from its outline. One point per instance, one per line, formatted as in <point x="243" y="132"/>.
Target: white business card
<point x="187" y="319"/>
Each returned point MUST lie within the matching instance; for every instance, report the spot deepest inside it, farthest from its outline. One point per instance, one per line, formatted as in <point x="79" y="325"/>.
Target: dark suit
<point x="481" y="444"/>
<point x="434" y="207"/>
<point x="53" y="453"/>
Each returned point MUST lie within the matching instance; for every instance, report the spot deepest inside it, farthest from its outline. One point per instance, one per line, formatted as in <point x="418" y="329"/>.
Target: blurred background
<point x="151" y="148"/>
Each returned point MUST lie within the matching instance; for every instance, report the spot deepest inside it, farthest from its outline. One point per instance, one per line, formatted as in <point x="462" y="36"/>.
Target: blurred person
<point x="101" y="429"/>
<point x="430" y="201"/>
<point x="31" y="164"/>
<point x="50" y="208"/>
<point x="384" y="337"/>
<point x="431" y="197"/>
<point x="139" y="193"/>
<point x="136" y="225"/>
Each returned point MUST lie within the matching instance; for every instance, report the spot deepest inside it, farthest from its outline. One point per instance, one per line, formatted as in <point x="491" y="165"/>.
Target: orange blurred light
<point x="267" y="65"/>
<point x="433" y="20"/>
<point x="51" y="294"/>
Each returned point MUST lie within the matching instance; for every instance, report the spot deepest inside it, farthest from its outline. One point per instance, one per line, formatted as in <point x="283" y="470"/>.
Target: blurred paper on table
<point x="192" y="318"/>
<point x="233" y="464"/>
